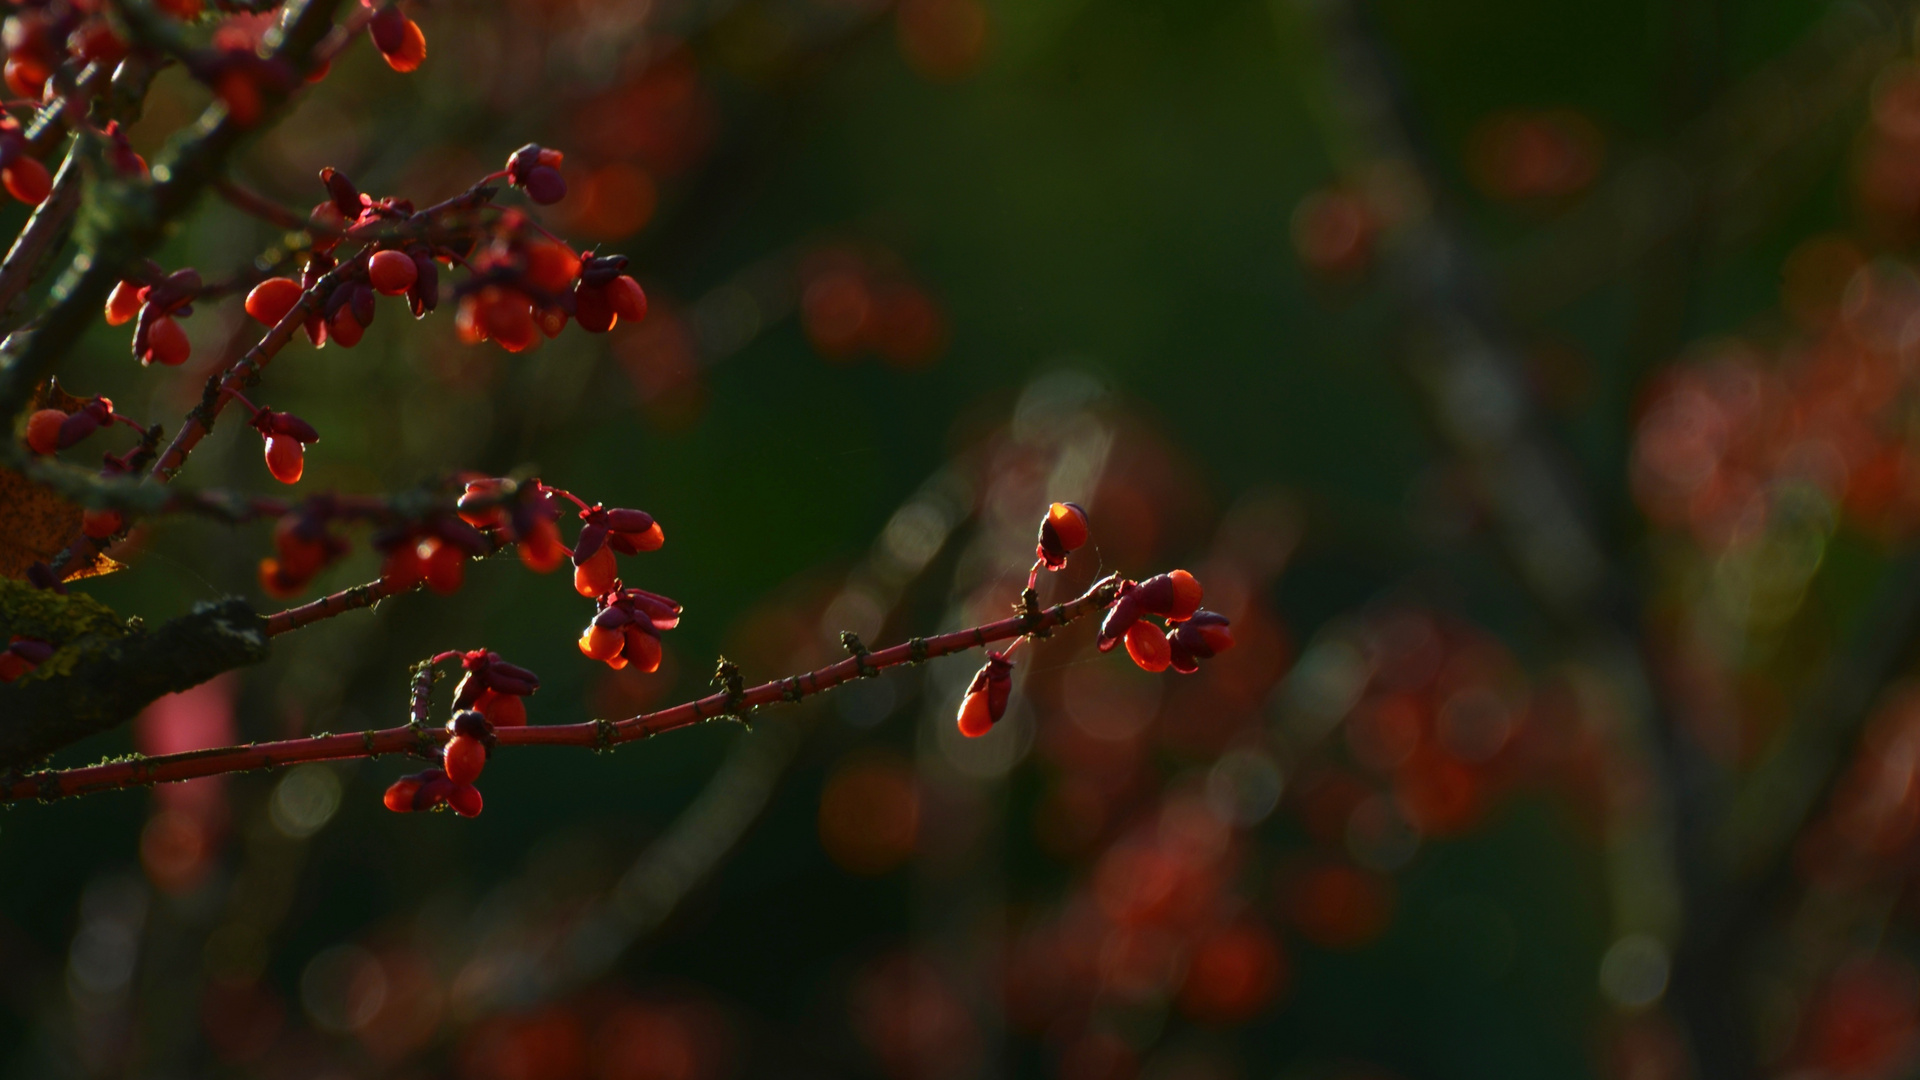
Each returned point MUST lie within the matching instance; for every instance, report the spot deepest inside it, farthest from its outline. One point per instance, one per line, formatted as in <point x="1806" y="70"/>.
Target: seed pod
<point x="1202" y="637"/>
<point x="1063" y="530"/>
<point x="346" y="197"/>
<point x="985" y="701"/>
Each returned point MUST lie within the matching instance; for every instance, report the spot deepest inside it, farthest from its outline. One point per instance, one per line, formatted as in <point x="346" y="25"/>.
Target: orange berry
<point x="651" y="539"/>
<point x="1069" y="524"/>
<point x="286" y="458"/>
<point x="167" y="343"/>
<point x="43" y="430"/>
<point x="1147" y="644"/>
<point x="976" y="718"/>
<point x="392" y="272"/>
<point x="272" y="299"/>
<point x="599" y="643"/>
<point x="596" y="576"/>
<point x="123" y="303"/>
<point x="408" y="56"/>
<point x="541" y="549"/>
<point x="1186" y="596"/>
<point x="464" y="758"/>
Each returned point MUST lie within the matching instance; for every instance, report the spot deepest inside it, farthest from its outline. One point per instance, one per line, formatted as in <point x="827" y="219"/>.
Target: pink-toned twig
<point x="596" y="734"/>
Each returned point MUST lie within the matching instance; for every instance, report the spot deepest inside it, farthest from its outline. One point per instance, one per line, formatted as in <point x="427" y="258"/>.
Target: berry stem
<point x="421" y="739"/>
<point x="200" y="421"/>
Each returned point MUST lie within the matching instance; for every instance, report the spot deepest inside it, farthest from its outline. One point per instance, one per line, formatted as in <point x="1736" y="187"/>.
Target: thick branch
<point x="597" y="734"/>
<point x="107" y="687"/>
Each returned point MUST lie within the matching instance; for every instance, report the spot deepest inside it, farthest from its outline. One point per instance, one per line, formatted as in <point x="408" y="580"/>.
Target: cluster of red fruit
<point x="40" y="37"/>
<point x="50" y="430"/>
<point x="157" y="337"/>
<point x="1191" y="634"/>
<point x="21" y="656"/>
<point x="489" y="696"/>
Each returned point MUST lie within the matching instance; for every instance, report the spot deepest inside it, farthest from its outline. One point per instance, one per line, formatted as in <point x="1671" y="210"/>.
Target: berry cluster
<point x="51" y="430"/>
<point x="1190" y="635"/>
<point x="488" y="697"/>
<point x="153" y="309"/>
<point x="41" y="37"/>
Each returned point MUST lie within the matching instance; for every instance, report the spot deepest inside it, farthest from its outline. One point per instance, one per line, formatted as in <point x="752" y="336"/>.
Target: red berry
<point x="541" y="549"/>
<point x="344" y="328"/>
<point x="628" y="300"/>
<point x="167" y="343"/>
<point x="271" y="300"/>
<point x="100" y="524"/>
<point x="508" y="319"/>
<point x="403" y="568"/>
<point x="465" y="800"/>
<point x="551" y="267"/>
<point x="465" y="757"/>
<point x="43" y="430"/>
<point x="286" y="458"/>
<point x="240" y="92"/>
<point x="596" y="576"/>
<point x="642" y="650"/>
<point x="593" y="309"/>
<point x="405" y="53"/>
<point x="502" y="710"/>
<point x="1147" y="644"/>
<point x="446" y="566"/>
<point x="124" y="303"/>
<point x="27" y="180"/>
<point x="392" y="272"/>
<point x="277" y="582"/>
<point x="26" y="77"/>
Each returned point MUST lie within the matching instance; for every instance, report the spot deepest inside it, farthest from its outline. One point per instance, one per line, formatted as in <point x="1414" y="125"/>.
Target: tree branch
<point x="597" y="734"/>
